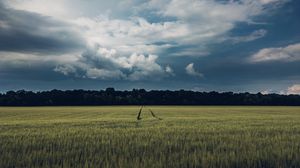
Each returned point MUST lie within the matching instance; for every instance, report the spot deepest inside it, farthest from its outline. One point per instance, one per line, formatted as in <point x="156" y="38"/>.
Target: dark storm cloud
<point x="22" y="31"/>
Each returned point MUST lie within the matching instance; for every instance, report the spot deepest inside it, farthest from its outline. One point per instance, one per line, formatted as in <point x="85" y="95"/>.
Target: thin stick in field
<point x="153" y="115"/>
<point x="139" y="114"/>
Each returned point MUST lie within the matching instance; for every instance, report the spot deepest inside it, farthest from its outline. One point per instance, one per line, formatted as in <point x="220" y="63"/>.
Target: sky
<point x="201" y="45"/>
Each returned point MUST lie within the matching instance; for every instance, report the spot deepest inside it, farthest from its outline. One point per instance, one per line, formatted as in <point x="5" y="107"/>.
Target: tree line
<point x="110" y="96"/>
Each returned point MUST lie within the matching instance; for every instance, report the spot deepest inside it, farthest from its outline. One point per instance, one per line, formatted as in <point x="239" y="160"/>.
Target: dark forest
<point x="110" y="96"/>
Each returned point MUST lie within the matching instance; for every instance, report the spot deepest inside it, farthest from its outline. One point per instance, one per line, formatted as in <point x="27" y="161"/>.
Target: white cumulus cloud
<point x="102" y="63"/>
<point x="190" y="70"/>
<point x="169" y="70"/>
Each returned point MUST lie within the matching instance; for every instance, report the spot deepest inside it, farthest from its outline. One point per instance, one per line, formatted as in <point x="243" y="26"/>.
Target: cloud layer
<point x="295" y="89"/>
<point x="126" y="48"/>
<point x="286" y="54"/>
<point x="135" y="42"/>
<point x="22" y="31"/>
<point x="257" y="34"/>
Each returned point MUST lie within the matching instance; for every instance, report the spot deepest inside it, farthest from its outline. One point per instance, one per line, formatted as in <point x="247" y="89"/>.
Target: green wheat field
<point x="187" y="136"/>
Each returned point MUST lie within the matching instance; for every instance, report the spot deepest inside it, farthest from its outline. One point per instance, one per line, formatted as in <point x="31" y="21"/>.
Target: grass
<point x="186" y="137"/>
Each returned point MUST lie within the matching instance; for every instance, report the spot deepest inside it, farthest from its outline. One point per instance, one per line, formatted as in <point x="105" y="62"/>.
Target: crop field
<point x="187" y="136"/>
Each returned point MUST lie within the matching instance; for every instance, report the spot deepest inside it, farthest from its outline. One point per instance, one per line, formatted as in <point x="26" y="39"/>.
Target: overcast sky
<point x="203" y="45"/>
